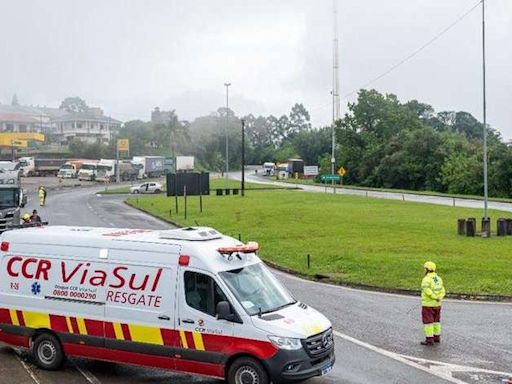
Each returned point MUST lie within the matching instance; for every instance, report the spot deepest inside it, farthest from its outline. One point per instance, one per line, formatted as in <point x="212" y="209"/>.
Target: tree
<point x="74" y="104"/>
<point x="299" y="120"/>
<point x="14" y="101"/>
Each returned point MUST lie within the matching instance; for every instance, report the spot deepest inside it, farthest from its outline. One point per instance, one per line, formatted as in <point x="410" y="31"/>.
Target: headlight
<point x="288" y="343"/>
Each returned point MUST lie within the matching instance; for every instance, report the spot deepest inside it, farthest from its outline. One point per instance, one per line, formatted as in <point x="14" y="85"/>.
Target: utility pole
<point x="227" y="131"/>
<point x="335" y="90"/>
<point x="484" y="105"/>
<point x="243" y="157"/>
<point x="118" y="178"/>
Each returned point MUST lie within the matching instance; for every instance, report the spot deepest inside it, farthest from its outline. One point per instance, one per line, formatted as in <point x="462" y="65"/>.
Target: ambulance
<point x="189" y="299"/>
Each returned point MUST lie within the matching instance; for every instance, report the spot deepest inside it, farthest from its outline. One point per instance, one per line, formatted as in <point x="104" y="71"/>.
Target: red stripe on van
<point x="74" y="325"/>
<point x="5" y="316"/>
<point x="234" y="345"/>
<point x="58" y="323"/>
<point x="190" y="340"/>
<point x="109" y="330"/>
<point x="169" y="336"/>
<point x="94" y="327"/>
<point x="126" y="332"/>
<point x="21" y="319"/>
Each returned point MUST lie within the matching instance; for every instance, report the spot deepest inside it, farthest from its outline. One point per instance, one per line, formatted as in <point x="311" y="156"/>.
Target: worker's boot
<point x="428" y="341"/>
<point x="437" y="338"/>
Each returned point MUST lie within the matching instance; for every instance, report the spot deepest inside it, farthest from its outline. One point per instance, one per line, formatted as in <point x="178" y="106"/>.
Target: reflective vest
<point x="432" y="290"/>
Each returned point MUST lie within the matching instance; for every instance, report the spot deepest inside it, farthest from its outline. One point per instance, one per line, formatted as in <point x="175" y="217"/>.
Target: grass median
<point x="355" y="240"/>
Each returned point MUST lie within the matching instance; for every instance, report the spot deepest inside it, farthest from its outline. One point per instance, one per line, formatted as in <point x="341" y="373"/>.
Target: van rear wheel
<point x="247" y="371"/>
<point x="47" y="352"/>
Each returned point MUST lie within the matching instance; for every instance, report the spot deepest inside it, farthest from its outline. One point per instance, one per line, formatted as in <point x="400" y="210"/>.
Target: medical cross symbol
<point x="36" y="288"/>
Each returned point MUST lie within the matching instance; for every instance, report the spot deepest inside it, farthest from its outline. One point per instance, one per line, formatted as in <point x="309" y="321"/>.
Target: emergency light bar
<point x="250" y="247"/>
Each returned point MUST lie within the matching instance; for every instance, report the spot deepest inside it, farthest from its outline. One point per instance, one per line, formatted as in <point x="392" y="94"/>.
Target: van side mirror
<point x="224" y="312"/>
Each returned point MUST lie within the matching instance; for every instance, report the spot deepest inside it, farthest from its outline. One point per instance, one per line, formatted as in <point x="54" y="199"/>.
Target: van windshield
<point x="257" y="289"/>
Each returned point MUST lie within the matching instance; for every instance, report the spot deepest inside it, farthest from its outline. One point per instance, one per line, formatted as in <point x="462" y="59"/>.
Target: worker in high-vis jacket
<point x="42" y="196"/>
<point x="432" y="293"/>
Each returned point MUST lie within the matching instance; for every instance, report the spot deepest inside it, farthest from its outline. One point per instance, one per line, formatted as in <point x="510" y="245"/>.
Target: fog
<point x="130" y="56"/>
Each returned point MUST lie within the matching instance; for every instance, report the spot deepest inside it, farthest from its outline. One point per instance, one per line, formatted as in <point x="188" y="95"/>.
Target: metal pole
<point x="335" y="91"/>
<point x="484" y="102"/>
<point x="118" y="178"/>
<point x="227" y="131"/>
<point x="243" y="157"/>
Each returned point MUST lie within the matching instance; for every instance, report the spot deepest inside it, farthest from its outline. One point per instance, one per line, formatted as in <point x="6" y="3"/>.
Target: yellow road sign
<point x="123" y="145"/>
<point x="341" y="171"/>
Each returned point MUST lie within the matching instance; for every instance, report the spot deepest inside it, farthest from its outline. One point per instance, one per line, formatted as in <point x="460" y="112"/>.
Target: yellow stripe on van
<point x="81" y="326"/>
<point x="198" y="341"/>
<point x="183" y="339"/>
<point x="118" y="331"/>
<point x="68" y="322"/>
<point x="36" y="320"/>
<point x="14" y="317"/>
<point x="145" y="334"/>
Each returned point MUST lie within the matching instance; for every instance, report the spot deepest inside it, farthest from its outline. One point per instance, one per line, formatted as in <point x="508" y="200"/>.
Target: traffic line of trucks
<point x="104" y="170"/>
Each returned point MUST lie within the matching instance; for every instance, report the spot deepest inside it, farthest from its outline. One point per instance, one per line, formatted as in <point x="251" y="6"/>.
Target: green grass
<point x="355" y="240"/>
<point x="214" y="184"/>
<point x="410" y="191"/>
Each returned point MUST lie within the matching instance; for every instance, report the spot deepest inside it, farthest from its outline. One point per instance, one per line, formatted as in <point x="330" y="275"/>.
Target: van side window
<point x="202" y="292"/>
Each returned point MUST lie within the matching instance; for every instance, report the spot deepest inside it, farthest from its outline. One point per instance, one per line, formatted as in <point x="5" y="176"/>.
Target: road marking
<point x="27" y="368"/>
<point x="456" y="368"/>
<point x="87" y="374"/>
<point x="400" y="358"/>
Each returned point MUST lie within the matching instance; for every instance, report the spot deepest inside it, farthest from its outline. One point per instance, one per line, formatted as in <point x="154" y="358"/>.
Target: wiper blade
<point x="278" y="308"/>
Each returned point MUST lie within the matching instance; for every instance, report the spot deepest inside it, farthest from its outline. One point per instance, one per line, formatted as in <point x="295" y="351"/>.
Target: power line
<point x="415" y="52"/>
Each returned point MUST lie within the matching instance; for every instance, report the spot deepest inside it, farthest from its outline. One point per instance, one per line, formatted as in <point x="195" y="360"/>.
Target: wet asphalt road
<point x="385" y="327"/>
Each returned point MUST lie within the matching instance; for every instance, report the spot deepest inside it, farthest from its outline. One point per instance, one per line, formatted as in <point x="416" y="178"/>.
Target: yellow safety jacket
<point x="432" y="290"/>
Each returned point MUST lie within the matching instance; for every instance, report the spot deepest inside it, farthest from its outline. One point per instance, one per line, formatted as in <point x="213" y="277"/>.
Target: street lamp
<point x="484" y="107"/>
<point x="227" y="132"/>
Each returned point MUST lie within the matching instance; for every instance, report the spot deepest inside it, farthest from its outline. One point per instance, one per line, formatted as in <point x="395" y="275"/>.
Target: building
<point x="25" y="119"/>
<point x="90" y="127"/>
<point x="161" y="117"/>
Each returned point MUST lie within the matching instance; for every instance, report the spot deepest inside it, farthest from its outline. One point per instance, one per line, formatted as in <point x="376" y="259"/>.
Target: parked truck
<point x="12" y="199"/>
<point x="184" y="163"/>
<point x="107" y="170"/>
<point x="150" y="166"/>
<point x="88" y="171"/>
<point x="70" y="169"/>
<point x="33" y="166"/>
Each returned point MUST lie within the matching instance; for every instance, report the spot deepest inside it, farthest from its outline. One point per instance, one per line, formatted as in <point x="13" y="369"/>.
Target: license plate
<point x="326" y="370"/>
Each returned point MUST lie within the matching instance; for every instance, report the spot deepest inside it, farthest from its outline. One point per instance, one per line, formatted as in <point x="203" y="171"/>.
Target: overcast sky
<point x="129" y="56"/>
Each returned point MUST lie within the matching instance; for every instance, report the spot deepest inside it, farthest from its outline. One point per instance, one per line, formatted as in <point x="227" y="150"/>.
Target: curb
<point x="326" y="280"/>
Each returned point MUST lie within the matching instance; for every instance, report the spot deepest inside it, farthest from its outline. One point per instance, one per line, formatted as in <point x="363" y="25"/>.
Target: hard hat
<point x="26" y="217"/>
<point x="430" y="265"/>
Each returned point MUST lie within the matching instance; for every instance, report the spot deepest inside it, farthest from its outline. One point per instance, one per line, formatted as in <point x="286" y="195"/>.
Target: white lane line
<point x="458" y="368"/>
<point x="378" y="293"/>
<point x="443" y="375"/>
<point x="27" y="368"/>
<point x="87" y="374"/>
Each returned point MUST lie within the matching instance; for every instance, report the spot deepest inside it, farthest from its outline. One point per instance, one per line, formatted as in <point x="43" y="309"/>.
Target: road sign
<point x="330" y="177"/>
<point x="123" y="145"/>
<point x="310" y="170"/>
<point x="341" y="171"/>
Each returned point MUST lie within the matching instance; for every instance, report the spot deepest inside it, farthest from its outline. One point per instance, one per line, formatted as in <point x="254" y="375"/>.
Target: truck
<point x="107" y="170"/>
<point x="88" y="170"/>
<point x="188" y="299"/>
<point x="184" y="163"/>
<point x="12" y="199"/>
<point x="70" y="169"/>
<point x="33" y="166"/>
<point x="150" y="166"/>
<point x="268" y="168"/>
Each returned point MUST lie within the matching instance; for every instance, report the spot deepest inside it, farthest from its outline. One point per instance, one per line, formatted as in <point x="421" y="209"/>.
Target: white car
<point x="149" y="187"/>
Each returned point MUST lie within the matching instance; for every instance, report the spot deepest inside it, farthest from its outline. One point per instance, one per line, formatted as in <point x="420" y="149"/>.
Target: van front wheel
<point x="247" y="371"/>
<point x="48" y="352"/>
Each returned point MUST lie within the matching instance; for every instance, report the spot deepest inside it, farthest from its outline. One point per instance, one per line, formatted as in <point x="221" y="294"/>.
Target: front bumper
<point x="289" y="366"/>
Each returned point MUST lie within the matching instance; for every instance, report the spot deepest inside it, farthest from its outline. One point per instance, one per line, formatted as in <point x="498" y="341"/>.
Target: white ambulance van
<point x="189" y="300"/>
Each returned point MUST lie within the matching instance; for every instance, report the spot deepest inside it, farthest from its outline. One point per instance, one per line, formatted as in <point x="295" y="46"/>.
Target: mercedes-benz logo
<point x="327" y="340"/>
